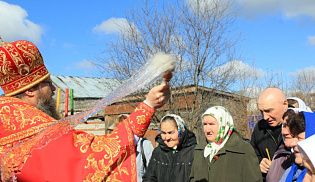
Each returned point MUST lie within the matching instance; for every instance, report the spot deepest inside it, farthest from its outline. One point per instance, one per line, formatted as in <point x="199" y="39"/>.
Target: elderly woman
<point x="306" y="148"/>
<point x="223" y="155"/>
<point x="171" y="161"/>
<point x="301" y="126"/>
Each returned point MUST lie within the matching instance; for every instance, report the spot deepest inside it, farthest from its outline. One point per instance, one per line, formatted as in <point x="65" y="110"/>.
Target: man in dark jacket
<point x="266" y="137"/>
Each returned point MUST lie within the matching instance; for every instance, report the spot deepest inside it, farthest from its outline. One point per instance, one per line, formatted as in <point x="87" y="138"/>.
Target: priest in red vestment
<point x="34" y="146"/>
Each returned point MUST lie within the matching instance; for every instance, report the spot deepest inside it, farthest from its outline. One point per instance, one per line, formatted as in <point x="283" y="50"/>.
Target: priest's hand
<point x="160" y="94"/>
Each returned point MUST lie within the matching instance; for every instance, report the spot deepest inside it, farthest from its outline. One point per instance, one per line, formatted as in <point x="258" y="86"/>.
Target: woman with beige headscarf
<point x="223" y="155"/>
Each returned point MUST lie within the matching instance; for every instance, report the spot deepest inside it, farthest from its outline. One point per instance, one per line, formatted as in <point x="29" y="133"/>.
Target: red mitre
<point x="21" y="67"/>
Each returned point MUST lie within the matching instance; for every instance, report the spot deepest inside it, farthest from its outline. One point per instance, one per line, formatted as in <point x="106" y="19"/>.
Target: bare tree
<point x="304" y="85"/>
<point x="197" y="32"/>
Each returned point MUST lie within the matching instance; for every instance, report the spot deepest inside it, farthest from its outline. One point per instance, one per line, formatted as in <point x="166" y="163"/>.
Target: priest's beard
<point x="48" y="106"/>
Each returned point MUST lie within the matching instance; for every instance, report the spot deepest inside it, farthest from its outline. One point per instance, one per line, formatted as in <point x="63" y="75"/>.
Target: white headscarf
<point x="302" y="105"/>
<point x="306" y="147"/>
<point x="226" y="127"/>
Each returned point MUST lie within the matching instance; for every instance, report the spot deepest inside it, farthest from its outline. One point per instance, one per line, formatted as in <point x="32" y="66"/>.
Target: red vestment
<point x="75" y="155"/>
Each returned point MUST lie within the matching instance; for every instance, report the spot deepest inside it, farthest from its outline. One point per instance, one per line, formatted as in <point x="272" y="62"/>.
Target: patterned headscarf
<point x="226" y="127"/>
<point x="181" y="126"/>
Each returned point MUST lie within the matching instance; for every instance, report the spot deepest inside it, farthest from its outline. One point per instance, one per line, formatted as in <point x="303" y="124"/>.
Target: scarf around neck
<point x="295" y="174"/>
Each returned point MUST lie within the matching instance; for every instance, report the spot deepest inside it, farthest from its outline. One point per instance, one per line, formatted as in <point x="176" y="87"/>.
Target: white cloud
<point x="116" y="26"/>
<point x="311" y="40"/>
<point x="240" y="70"/>
<point x="294" y="8"/>
<point x="252" y="7"/>
<point x="202" y="6"/>
<point x="289" y="8"/>
<point x="15" y="25"/>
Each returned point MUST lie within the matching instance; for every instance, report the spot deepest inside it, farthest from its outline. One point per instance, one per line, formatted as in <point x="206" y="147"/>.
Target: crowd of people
<point x="274" y="153"/>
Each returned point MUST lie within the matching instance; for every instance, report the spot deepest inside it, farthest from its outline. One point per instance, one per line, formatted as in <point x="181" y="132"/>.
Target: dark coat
<point x="264" y="137"/>
<point x="169" y="165"/>
<point x="236" y="162"/>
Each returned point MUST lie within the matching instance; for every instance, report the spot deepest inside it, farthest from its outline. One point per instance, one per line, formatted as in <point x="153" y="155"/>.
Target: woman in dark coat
<point x="223" y="155"/>
<point x="171" y="161"/>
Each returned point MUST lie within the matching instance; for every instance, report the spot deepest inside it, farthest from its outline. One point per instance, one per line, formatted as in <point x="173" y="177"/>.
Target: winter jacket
<point x="266" y="137"/>
<point x="236" y="162"/>
<point x="169" y="165"/>
<point x="282" y="160"/>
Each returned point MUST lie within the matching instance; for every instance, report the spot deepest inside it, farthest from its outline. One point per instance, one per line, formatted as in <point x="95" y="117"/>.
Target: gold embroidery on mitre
<point x="4" y="68"/>
<point x="23" y="69"/>
<point x="30" y="53"/>
<point x="14" y="54"/>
